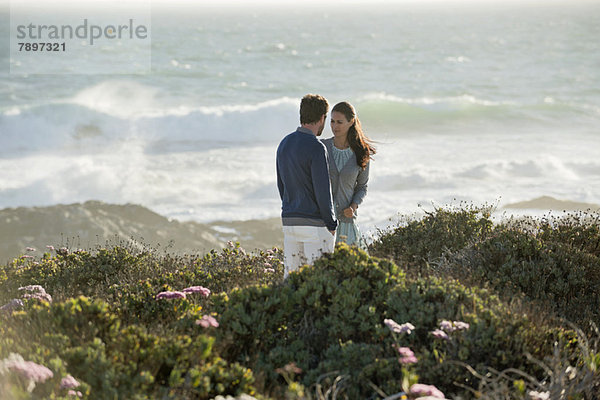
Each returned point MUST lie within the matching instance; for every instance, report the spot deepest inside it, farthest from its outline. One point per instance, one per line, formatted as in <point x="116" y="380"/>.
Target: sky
<point x="295" y="3"/>
<point x="173" y="4"/>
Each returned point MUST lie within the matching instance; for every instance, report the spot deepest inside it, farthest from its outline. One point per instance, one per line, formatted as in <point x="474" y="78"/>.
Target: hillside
<point x="95" y="223"/>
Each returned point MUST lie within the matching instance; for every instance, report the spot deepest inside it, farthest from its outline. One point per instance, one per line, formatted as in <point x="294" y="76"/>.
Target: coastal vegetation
<point x="451" y="304"/>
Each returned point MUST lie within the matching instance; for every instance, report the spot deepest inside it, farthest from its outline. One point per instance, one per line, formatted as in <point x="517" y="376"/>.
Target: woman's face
<point x="339" y="124"/>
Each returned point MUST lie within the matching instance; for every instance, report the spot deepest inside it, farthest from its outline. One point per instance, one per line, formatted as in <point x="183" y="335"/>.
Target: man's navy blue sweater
<point x="303" y="181"/>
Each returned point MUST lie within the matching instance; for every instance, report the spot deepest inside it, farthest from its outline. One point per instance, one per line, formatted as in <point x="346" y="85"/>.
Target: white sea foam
<point x="124" y="110"/>
<point x="132" y="100"/>
<point x="217" y="163"/>
<point x="118" y="98"/>
<point x="84" y="123"/>
<point x="459" y="109"/>
<point x="451" y="101"/>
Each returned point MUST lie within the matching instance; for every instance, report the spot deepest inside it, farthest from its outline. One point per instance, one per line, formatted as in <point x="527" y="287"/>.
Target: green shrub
<point x="120" y="362"/>
<point x="100" y="273"/>
<point x="129" y="279"/>
<point x="329" y="319"/>
<point x="579" y="231"/>
<point x="70" y="274"/>
<point x="418" y="243"/>
<point x="499" y="335"/>
<point x="122" y="342"/>
<point x="553" y="261"/>
<point x="15" y="384"/>
<point x="564" y="277"/>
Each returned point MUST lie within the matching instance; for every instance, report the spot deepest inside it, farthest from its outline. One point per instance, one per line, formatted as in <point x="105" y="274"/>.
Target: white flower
<point x="539" y="395"/>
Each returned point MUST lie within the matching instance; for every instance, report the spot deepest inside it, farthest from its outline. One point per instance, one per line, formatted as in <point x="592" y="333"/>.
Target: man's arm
<point x="280" y="185"/>
<point x="279" y="182"/>
<point x="322" y="187"/>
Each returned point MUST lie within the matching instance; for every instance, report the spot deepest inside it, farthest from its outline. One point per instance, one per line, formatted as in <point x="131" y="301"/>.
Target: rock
<point x="95" y="223"/>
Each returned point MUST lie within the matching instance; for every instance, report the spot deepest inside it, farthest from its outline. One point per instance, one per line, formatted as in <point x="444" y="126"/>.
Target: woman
<point x="349" y="153"/>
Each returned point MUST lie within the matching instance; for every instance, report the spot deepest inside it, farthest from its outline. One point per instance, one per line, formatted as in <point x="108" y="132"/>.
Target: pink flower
<point x="207" y="321"/>
<point x="447" y="326"/>
<point x="197" y="289"/>
<point x="38" y="296"/>
<point x="393" y="325"/>
<point x="35" y="292"/>
<point x="269" y="270"/>
<point x="461" y="326"/>
<point x="50" y="247"/>
<point x="406" y="356"/>
<point x="33" y="288"/>
<point x="408" y="360"/>
<point x="170" y="295"/>
<point x="30" y="370"/>
<point x="405" y="352"/>
<point x="290" y="368"/>
<point x="397" y="328"/>
<point x="26" y="257"/>
<point x="29" y="249"/>
<point x="426" y="390"/>
<point x="440" y="334"/>
<point x="407" y="327"/>
<point x="74" y="393"/>
<point x="68" y="382"/>
<point x="12" y="305"/>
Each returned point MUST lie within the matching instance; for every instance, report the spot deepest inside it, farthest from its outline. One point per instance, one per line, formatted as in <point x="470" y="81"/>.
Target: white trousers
<point x="303" y="245"/>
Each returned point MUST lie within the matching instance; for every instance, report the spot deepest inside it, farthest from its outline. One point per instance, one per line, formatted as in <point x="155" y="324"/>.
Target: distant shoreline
<point x="96" y="224"/>
<point x="550" y="203"/>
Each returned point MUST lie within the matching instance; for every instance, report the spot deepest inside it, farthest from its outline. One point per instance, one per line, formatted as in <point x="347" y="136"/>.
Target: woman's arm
<point x="360" y="190"/>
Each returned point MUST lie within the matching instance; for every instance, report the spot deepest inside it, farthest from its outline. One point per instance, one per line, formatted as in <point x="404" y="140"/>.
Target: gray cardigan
<point x="348" y="185"/>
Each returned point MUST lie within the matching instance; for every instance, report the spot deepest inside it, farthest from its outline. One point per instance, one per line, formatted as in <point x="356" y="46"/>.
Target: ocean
<point x="483" y="102"/>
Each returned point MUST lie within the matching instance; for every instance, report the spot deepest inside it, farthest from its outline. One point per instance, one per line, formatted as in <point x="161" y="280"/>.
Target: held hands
<point x="350" y="211"/>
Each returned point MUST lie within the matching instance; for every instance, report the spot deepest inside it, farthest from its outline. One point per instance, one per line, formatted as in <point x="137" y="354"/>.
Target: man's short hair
<point x="312" y="108"/>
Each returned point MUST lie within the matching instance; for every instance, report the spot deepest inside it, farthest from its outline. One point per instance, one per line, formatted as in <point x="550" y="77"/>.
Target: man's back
<point x="303" y="181"/>
<point x="307" y="215"/>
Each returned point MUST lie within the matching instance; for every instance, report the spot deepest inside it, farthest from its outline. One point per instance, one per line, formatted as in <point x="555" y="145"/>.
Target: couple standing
<point x="321" y="182"/>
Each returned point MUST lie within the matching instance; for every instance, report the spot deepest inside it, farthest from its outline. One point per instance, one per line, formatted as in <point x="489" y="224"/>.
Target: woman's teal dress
<point x="347" y="232"/>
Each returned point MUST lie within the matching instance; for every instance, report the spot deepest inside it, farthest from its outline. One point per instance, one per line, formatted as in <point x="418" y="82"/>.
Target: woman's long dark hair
<point x="360" y="144"/>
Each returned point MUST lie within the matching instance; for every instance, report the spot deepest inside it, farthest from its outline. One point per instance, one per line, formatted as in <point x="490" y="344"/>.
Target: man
<point x="307" y="214"/>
